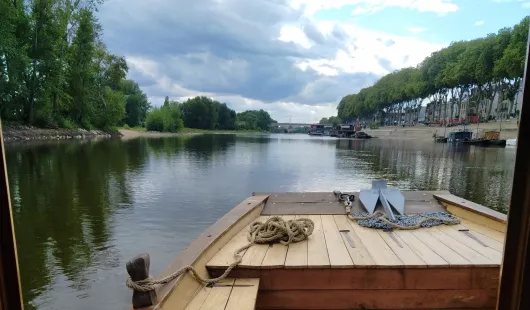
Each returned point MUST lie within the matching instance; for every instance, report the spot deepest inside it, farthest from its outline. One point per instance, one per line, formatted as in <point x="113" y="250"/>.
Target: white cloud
<point x="371" y="6"/>
<point x="252" y="54"/>
<point x="479" y="23"/>
<point x="526" y="5"/>
<point x="416" y="29"/>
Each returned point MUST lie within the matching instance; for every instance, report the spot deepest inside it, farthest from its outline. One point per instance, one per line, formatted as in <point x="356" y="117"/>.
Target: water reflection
<point x="83" y="208"/>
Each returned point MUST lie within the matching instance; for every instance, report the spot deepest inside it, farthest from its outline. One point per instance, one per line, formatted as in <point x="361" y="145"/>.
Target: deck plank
<point x="207" y="295"/>
<point x="491" y="233"/>
<point x="359" y="255"/>
<point x="338" y="254"/>
<point x="218" y="297"/>
<point x="488" y="252"/>
<point x="225" y="256"/>
<point x="403" y="252"/>
<point x="255" y="254"/>
<point x="276" y="253"/>
<point x="464" y="250"/>
<point x="317" y="251"/>
<point x="421" y="249"/>
<point x="297" y="252"/>
<point x="243" y="298"/>
<point x="379" y="250"/>
<point x="450" y="256"/>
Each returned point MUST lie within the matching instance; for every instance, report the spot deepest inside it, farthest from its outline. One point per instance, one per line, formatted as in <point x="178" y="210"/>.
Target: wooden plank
<point x="450" y="256"/>
<point x="421" y="249"/>
<point x="477" y="218"/>
<point x="276" y="253"/>
<point x="391" y="278"/>
<point x="486" y="231"/>
<point x="225" y="256"/>
<point x="490" y="253"/>
<point x="377" y="299"/>
<point x="338" y="254"/>
<point x="179" y="292"/>
<point x="243" y="298"/>
<point x="464" y="204"/>
<point x="298" y="208"/>
<point x="359" y="255"/>
<point x="464" y="250"/>
<point x="10" y="284"/>
<point x="317" y="251"/>
<point x="218" y="296"/>
<point x="326" y="203"/>
<point x="203" y="294"/>
<point x="407" y="256"/>
<point x="379" y="250"/>
<point x="297" y="252"/>
<point x="309" y="197"/>
<point x="254" y="255"/>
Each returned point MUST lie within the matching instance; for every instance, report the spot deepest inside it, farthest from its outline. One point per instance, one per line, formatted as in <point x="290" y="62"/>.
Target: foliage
<point x="254" y="120"/>
<point x="335" y="120"/>
<point x="478" y="68"/>
<point x="165" y="118"/>
<point x="205" y="113"/>
<point x="55" y="71"/>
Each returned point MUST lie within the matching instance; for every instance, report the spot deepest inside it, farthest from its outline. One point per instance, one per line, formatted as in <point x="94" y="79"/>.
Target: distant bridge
<point x="292" y="125"/>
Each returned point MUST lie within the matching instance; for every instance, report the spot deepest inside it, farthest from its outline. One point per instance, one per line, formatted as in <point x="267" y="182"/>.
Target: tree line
<point x="56" y="72"/>
<point x="204" y="113"/>
<point x="476" y="69"/>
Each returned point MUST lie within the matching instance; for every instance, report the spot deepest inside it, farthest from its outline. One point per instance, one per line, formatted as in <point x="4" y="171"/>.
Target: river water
<point x="82" y="209"/>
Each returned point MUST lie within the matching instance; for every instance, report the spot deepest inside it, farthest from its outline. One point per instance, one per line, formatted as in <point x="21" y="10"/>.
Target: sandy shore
<point x="131" y="134"/>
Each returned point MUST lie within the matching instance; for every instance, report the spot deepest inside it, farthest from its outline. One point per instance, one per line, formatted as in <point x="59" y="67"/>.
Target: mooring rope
<point x="274" y="230"/>
<point x="405" y="222"/>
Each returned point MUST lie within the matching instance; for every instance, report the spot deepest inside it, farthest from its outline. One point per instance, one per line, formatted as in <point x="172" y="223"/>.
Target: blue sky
<point x="293" y="58"/>
<point x="472" y="19"/>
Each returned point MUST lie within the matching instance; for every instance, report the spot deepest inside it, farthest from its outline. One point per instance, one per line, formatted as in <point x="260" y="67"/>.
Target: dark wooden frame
<point x="515" y="274"/>
<point x="10" y="290"/>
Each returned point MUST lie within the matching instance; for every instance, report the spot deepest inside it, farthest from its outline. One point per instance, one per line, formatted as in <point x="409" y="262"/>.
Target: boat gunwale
<point x="470" y="206"/>
<point x="225" y="226"/>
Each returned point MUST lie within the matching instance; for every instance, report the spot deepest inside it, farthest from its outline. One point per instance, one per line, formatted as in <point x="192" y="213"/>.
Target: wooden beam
<point x="515" y="273"/>
<point x="10" y="290"/>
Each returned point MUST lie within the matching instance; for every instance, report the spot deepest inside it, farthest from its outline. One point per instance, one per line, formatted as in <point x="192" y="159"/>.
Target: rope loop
<point x="274" y="230"/>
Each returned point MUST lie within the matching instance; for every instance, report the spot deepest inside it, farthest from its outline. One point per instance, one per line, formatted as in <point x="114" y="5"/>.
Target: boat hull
<point x="437" y="268"/>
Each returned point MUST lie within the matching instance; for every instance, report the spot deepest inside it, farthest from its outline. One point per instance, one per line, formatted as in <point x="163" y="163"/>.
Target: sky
<point x="293" y="58"/>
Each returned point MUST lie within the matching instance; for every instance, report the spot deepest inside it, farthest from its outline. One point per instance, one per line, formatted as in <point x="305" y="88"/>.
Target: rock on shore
<point x="26" y="133"/>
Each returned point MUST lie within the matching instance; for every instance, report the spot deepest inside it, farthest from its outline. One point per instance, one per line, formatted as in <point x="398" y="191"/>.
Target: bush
<point x="166" y="118"/>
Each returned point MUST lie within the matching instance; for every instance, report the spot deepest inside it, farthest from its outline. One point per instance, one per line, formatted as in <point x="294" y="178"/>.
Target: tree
<point x="136" y="103"/>
<point x="478" y="68"/>
<point x="55" y="71"/>
<point x="165" y="118"/>
<point x="254" y="120"/>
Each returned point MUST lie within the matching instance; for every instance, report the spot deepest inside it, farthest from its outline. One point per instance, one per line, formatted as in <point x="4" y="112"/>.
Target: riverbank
<point x="136" y="133"/>
<point x="509" y="130"/>
<point x="28" y="133"/>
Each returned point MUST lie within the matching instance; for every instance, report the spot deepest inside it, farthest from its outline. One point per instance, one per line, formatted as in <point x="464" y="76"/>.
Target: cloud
<point x="371" y="6"/>
<point x="525" y="5"/>
<point x="251" y="54"/>
<point x="479" y="23"/>
<point x="416" y="29"/>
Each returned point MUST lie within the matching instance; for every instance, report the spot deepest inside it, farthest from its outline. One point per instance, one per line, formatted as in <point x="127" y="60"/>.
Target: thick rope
<point x="348" y="202"/>
<point x="274" y="230"/>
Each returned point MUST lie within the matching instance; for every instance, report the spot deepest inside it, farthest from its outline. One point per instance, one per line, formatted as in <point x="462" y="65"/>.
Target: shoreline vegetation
<point x="460" y="82"/>
<point x="58" y="80"/>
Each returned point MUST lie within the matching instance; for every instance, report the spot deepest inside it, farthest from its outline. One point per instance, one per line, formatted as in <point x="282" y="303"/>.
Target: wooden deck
<point x="343" y="265"/>
<point x="441" y="246"/>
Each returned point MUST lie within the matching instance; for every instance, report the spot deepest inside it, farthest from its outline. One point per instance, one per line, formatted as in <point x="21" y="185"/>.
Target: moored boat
<point x="341" y="264"/>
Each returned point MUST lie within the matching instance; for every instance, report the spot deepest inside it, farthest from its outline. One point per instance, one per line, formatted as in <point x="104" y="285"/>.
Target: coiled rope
<point x="274" y="230"/>
<point x="405" y="222"/>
